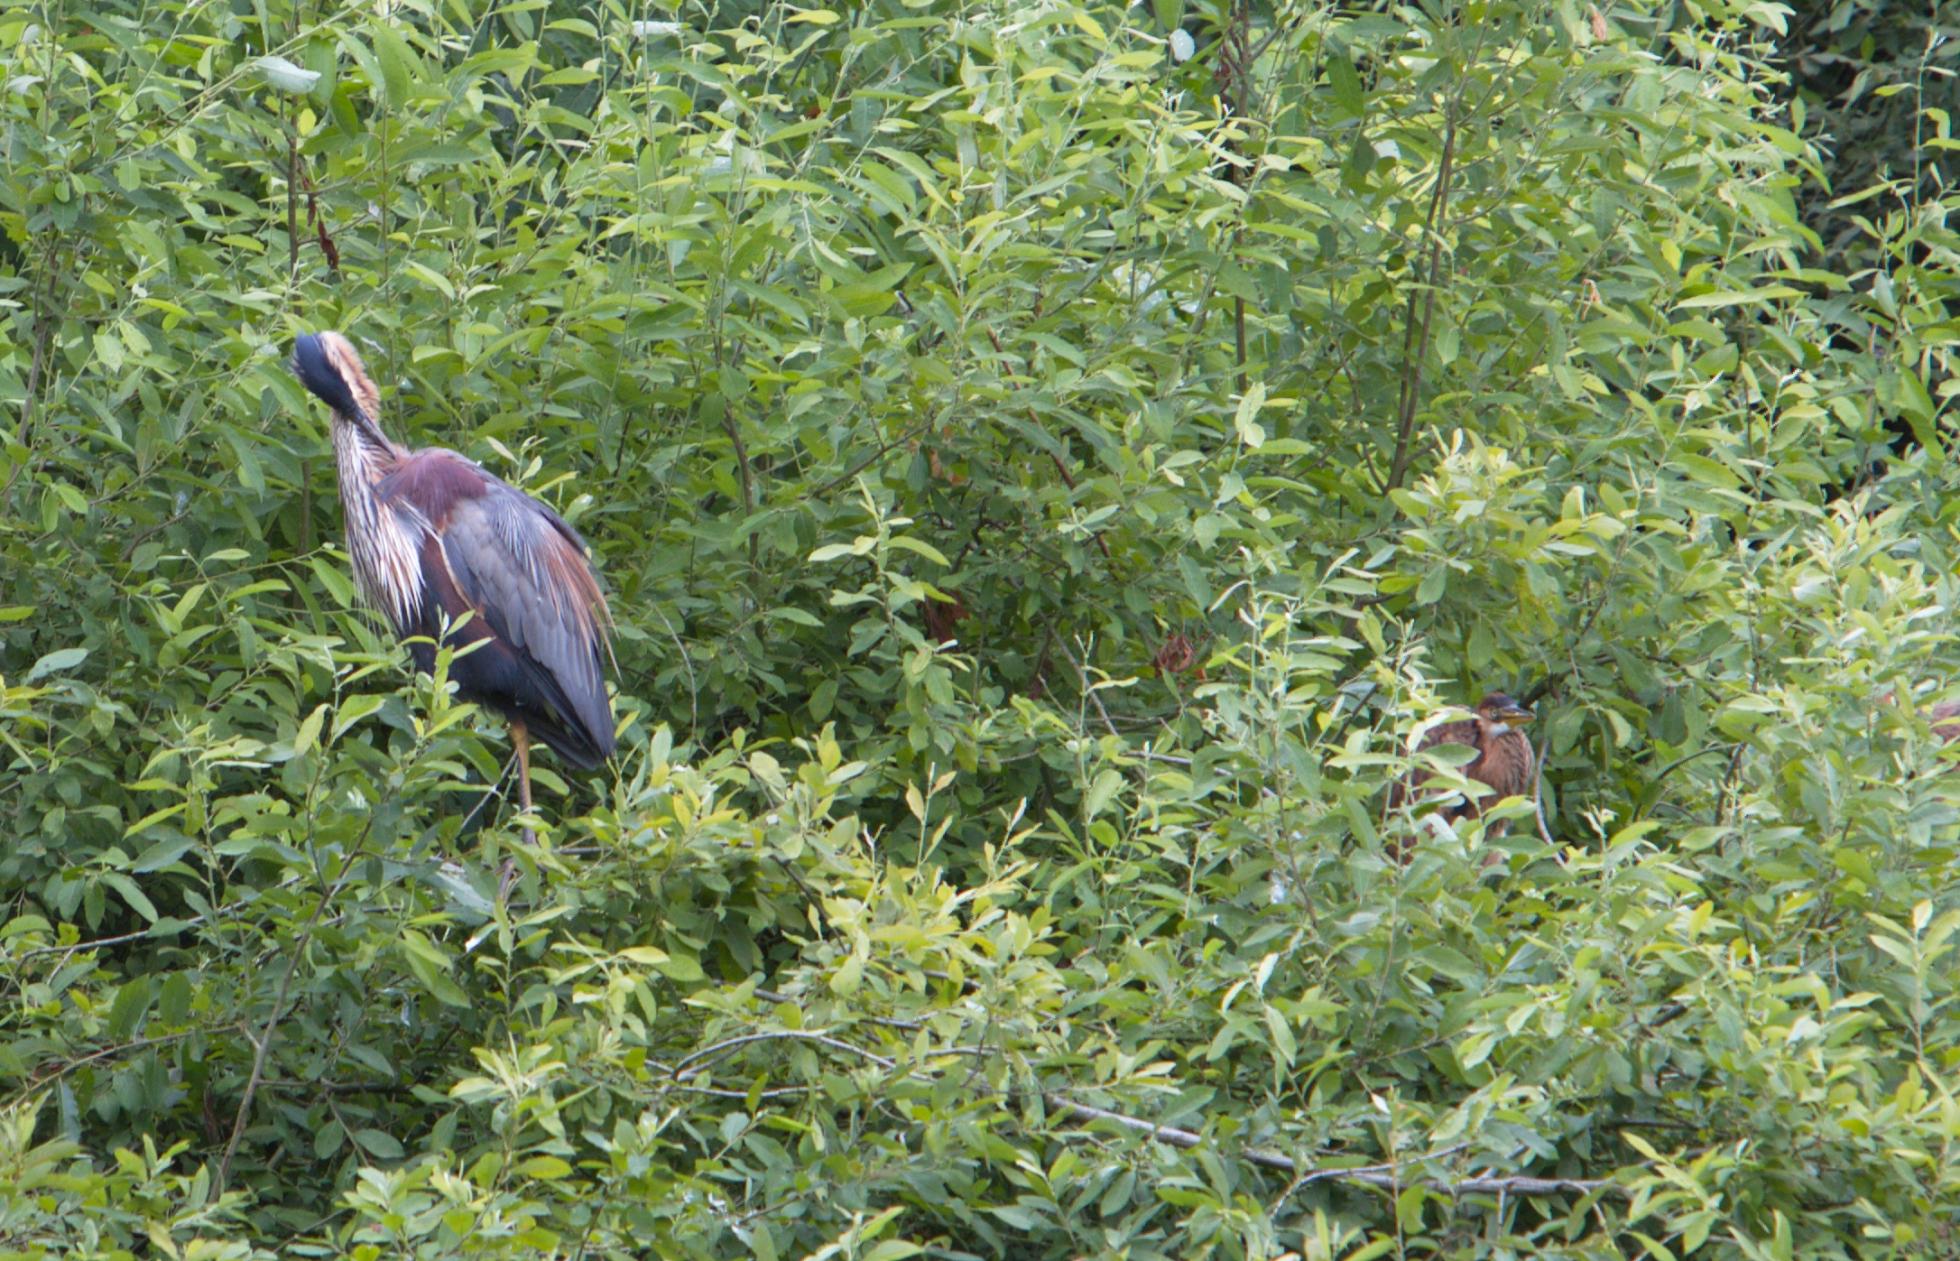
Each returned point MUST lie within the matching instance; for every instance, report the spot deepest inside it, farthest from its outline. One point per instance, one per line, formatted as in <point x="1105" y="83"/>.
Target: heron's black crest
<point x="316" y="371"/>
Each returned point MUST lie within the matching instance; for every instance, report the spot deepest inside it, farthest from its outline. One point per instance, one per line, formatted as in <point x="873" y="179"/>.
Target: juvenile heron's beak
<point x="1516" y="716"/>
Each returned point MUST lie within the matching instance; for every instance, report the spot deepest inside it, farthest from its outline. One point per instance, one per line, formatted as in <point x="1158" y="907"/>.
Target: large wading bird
<point x="1504" y="762"/>
<point x="438" y="542"/>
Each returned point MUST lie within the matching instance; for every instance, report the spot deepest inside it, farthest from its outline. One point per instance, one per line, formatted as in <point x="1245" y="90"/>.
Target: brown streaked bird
<point x="434" y="536"/>
<point x="1943" y="717"/>
<point x="1504" y="762"/>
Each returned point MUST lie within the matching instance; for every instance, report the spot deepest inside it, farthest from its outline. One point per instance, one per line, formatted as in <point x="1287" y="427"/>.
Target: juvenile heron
<point x="1504" y="762"/>
<point x="435" y="537"/>
<point x="1945" y="720"/>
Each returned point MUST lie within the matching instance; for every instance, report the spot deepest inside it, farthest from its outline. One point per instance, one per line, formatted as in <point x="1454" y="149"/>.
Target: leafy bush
<point x="1048" y="462"/>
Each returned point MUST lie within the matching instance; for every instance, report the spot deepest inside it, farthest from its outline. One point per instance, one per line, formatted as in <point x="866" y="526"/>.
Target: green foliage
<point x="1048" y="462"/>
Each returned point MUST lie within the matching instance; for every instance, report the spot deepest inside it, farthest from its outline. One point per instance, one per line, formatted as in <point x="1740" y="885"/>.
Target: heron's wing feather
<point x="1506" y="764"/>
<point x="1464" y="732"/>
<point x="521" y="568"/>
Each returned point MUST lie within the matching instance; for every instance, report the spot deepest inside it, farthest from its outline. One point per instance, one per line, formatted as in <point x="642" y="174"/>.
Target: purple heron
<point x="435" y="537"/>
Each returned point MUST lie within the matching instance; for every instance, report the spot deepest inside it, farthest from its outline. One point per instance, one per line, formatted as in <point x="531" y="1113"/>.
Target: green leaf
<point x="1345" y="83"/>
<point x="55" y="662"/>
<point x="400" y="68"/>
<point x="432" y="278"/>
<point x="893" y="1250"/>
<point x="380" y="1145"/>
<point x="926" y="550"/>
<point x="127" y="890"/>
<point x="131" y="1004"/>
<point x="1245" y="421"/>
<point x="850" y="974"/>
<point x="545" y="1168"/>
<point x="309" y="731"/>
<point x="336" y="584"/>
<point x="1108" y="783"/>
<point x="353" y="709"/>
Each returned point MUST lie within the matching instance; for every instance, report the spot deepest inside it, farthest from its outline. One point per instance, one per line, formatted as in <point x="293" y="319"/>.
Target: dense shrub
<point x="1047" y="461"/>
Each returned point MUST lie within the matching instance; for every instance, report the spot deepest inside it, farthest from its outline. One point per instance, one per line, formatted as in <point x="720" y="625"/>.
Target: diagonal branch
<point x="262" y="1045"/>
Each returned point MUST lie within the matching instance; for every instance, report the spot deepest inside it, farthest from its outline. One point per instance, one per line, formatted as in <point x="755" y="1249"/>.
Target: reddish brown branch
<point x="1415" y="345"/>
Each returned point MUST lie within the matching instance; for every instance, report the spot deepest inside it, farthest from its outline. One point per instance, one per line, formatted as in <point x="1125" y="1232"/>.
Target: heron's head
<point x="1501" y="707"/>
<point x="327" y="364"/>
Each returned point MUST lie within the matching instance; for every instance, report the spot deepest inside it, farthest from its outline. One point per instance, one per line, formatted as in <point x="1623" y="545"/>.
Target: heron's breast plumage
<point x="383" y="538"/>
<point x="1504" y="761"/>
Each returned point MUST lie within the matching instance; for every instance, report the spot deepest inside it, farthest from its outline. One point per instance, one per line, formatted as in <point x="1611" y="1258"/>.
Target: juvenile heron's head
<point x="1500" y="707"/>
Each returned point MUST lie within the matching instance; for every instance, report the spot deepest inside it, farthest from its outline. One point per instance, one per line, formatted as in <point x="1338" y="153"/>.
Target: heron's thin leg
<point x="520" y="736"/>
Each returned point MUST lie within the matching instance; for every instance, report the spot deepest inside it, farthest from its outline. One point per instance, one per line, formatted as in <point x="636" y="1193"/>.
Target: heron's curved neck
<point x="362" y="457"/>
<point x="382" y="552"/>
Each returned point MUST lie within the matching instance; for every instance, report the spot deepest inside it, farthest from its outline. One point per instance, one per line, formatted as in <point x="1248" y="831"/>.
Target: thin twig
<point x="1082" y="682"/>
<point x="1538" y="790"/>
<point x="103" y="943"/>
<point x="904" y="439"/>
<point x="137" y="1044"/>
<point x="44" y="326"/>
<point x="141" y="536"/>
<point x="1384" y="1177"/>
<point x="492" y="793"/>
<point x="1061" y="468"/>
<point x="1680" y="762"/>
<point x="889" y="1022"/>
<point x="682" y="1069"/>
<point x="292" y="200"/>
<point x="734" y="432"/>
<point x="1387" y="1176"/>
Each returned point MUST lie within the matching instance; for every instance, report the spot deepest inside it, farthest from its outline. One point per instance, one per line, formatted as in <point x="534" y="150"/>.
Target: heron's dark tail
<point x="317" y="371"/>
<point x="583" y="748"/>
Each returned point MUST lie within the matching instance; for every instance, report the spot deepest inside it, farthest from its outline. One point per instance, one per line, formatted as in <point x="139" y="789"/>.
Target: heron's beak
<point x="1516" y="716"/>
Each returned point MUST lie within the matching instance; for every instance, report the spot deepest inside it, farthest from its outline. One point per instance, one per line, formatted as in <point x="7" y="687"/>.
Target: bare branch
<point x="1384" y="1177"/>
<point x="683" y="1068"/>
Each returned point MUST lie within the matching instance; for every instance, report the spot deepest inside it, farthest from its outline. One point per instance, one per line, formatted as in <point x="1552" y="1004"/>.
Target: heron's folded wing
<point x="520" y="566"/>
